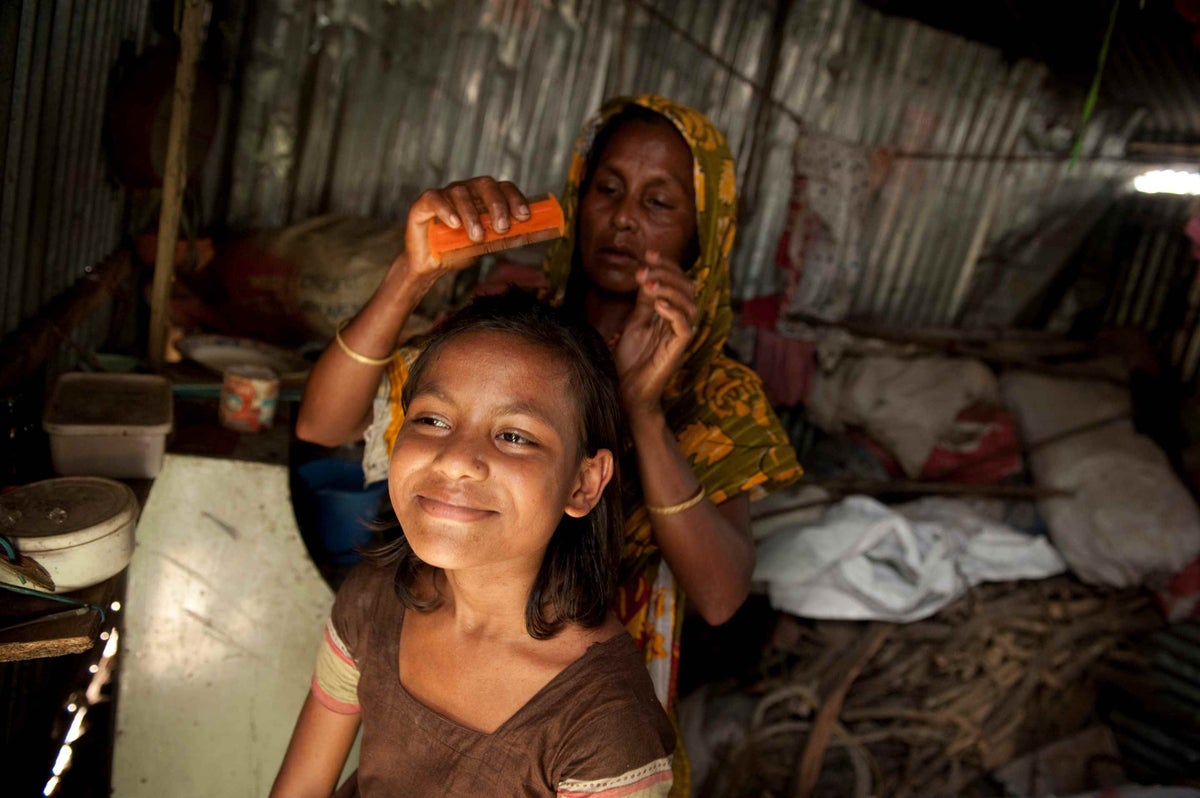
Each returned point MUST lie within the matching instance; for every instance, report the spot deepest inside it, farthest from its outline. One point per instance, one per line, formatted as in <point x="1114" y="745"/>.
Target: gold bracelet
<point x="678" y="508"/>
<point x="355" y="356"/>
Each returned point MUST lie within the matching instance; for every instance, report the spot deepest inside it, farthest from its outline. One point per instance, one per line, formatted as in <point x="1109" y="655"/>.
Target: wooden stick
<point x="842" y="487"/>
<point x="1161" y="148"/>
<point x="849" y="666"/>
<point x="942" y="337"/>
<point x="175" y="177"/>
<point x="884" y="487"/>
<point x="1008" y="451"/>
<point x="1005" y="665"/>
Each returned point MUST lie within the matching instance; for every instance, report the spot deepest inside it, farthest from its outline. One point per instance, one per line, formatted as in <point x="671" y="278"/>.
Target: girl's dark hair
<point x="578" y="576"/>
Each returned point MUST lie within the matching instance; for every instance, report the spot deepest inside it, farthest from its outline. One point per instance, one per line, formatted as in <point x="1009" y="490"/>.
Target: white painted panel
<point x="225" y="611"/>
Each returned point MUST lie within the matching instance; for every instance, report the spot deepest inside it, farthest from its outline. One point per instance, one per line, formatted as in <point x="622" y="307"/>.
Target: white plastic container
<point x="80" y="529"/>
<point x="109" y="425"/>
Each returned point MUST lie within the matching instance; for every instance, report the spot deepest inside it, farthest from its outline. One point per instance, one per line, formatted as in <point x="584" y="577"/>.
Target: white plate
<point x="219" y="352"/>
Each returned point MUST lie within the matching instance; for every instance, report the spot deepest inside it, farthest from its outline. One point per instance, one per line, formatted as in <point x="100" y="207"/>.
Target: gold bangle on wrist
<point x="355" y="356"/>
<point x="672" y="509"/>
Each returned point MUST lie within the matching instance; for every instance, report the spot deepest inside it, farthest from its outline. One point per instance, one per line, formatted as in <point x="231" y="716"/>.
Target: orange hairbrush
<point x="545" y="222"/>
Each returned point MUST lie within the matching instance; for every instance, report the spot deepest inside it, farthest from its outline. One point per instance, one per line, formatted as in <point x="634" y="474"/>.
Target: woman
<point x="650" y="202"/>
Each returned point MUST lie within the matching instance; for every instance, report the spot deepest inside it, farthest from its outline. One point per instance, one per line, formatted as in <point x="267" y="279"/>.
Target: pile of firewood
<point x="928" y="708"/>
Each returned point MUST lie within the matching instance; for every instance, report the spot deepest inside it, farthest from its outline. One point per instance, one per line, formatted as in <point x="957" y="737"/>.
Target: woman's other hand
<point x="709" y="548"/>
<point x="459" y="205"/>
<point x="656" y="335"/>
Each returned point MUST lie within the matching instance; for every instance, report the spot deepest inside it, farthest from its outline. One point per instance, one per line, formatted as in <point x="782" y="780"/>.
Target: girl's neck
<point x="607" y="312"/>
<point x="485" y="605"/>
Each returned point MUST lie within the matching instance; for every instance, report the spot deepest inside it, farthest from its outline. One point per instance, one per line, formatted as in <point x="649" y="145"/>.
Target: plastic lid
<point x="83" y="508"/>
<point x="113" y="404"/>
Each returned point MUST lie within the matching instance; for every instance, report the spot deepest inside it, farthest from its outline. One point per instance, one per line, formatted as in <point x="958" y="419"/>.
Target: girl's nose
<point x="461" y="458"/>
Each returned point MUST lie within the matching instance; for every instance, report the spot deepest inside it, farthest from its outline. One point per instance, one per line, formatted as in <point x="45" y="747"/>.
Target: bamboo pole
<point x="175" y="177"/>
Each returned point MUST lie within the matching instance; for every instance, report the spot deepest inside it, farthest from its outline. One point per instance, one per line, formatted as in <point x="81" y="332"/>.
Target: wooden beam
<point x="844" y="672"/>
<point x="175" y="177"/>
<point x="1169" y="149"/>
<point x="61" y="633"/>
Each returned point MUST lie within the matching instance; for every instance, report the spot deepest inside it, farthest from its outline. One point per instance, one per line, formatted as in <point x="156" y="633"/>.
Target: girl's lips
<point x="448" y="511"/>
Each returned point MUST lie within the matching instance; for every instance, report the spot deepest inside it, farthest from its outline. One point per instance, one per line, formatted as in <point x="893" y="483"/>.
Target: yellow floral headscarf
<point x="716" y="406"/>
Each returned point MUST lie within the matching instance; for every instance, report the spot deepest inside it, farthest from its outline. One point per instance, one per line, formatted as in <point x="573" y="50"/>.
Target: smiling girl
<point x="478" y="650"/>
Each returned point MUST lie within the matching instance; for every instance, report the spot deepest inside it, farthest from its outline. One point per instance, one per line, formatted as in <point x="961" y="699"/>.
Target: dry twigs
<point x="926" y="709"/>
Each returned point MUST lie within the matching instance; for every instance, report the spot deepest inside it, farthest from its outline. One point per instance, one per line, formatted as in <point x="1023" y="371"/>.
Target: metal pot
<point x="78" y="529"/>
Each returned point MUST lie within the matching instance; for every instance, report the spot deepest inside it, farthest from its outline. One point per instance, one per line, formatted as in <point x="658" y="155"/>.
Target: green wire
<point x="1089" y="105"/>
<point x="12" y="555"/>
<point x="55" y="597"/>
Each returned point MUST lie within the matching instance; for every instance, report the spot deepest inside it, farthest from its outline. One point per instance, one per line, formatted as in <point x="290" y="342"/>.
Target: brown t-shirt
<point x="595" y="730"/>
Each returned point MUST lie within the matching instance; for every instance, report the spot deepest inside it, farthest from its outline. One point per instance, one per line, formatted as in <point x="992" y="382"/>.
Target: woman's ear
<point x="594" y="475"/>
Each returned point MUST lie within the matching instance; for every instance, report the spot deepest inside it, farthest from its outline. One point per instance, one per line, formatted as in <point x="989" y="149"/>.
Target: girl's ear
<point x="593" y="477"/>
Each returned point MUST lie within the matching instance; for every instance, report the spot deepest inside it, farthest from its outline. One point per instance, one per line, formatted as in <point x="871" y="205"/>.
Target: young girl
<point x="478" y="651"/>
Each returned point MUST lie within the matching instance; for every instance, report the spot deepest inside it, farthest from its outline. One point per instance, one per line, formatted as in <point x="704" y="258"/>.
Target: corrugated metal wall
<point x="60" y="215"/>
<point x="1153" y="708"/>
<point x="357" y="105"/>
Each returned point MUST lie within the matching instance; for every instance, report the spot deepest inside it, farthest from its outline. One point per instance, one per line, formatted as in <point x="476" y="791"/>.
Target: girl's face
<point x="488" y="458"/>
<point x="641" y="197"/>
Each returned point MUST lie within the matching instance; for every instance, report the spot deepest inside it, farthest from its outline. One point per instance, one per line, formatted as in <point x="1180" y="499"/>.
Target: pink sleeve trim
<point x="331" y="703"/>
<point x="650" y="780"/>
<point x="337" y="646"/>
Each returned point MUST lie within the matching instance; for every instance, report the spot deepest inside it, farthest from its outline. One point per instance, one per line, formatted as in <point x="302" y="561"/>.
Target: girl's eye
<point x="515" y="438"/>
<point x="660" y="202"/>
<point x="606" y="189"/>
<point x="430" y="421"/>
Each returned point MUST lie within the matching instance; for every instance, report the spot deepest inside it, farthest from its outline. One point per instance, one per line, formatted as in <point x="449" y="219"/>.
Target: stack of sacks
<point x="908" y="405"/>
<point x="1129" y="519"/>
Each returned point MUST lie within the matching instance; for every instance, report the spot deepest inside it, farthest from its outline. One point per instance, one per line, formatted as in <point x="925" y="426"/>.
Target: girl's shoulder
<point x="610" y="683"/>
<point x="366" y="594"/>
<point x="596" y="672"/>
<point x="614" y="733"/>
<point x="615" y="659"/>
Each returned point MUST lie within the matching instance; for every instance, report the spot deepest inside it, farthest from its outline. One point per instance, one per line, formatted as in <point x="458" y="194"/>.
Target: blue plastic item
<point x="333" y="508"/>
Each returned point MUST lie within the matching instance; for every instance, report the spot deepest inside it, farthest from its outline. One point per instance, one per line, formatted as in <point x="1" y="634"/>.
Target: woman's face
<point x="487" y="460"/>
<point x="641" y="197"/>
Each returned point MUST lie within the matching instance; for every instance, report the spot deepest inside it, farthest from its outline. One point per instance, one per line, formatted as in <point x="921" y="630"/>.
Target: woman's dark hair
<point x="578" y="576"/>
<point x="576" y="279"/>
